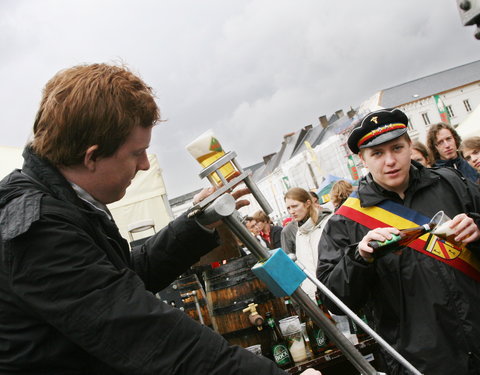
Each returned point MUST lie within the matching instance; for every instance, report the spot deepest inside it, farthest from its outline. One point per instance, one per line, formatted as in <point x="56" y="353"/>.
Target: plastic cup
<point x="255" y="349"/>
<point x="206" y="149"/>
<point x="443" y="230"/>
<point x="292" y="332"/>
<point x="343" y="326"/>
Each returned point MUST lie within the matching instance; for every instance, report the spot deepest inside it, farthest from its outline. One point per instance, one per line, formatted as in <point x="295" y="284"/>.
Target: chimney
<point x="268" y="157"/>
<point x="308" y="127"/>
<point x="351" y="113"/>
<point x="323" y="121"/>
<point x="339" y="113"/>
<point x="285" y="136"/>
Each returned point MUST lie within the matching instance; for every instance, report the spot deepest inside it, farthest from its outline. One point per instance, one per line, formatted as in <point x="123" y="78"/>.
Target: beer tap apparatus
<point x="255" y="318"/>
<point x="280" y="272"/>
<point x="222" y="170"/>
<point x="193" y="294"/>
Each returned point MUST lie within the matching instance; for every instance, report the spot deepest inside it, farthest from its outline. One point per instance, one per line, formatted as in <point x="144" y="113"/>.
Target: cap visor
<point x="385" y="137"/>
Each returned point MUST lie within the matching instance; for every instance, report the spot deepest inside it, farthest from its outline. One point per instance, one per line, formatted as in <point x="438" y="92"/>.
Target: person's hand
<point x="204" y="193"/>
<point x="311" y="371"/>
<point x="466" y="230"/>
<point x="235" y="194"/>
<point x="377" y="234"/>
<point x="238" y="194"/>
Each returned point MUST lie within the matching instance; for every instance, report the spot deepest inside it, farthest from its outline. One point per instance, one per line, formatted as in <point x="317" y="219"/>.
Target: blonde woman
<point x="341" y="190"/>
<point x="310" y="220"/>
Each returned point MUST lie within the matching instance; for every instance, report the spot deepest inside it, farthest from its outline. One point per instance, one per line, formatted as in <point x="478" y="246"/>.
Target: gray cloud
<point x="252" y="70"/>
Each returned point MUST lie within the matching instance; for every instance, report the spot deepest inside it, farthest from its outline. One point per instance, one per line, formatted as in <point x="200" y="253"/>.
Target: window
<point x="410" y="125"/>
<point x="426" y="120"/>
<point x="450" y="111"/>
<point x="467" y="105"/>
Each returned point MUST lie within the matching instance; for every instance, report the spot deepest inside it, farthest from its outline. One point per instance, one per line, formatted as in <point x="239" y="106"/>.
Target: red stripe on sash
<point x="472" y="268"/>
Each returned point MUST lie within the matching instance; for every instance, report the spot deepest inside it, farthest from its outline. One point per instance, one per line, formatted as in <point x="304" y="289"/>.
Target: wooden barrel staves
<point x="230" y="288"/>
<point x="185" y="285"/>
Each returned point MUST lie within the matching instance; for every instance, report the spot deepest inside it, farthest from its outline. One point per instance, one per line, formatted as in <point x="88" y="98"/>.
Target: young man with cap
<point x="425" y="296"/>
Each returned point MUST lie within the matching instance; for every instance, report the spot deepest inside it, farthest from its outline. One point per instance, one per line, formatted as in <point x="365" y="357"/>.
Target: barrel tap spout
<point x="255" y="318"/>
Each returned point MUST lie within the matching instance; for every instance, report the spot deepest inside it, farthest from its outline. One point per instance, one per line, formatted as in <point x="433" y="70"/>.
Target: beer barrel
<point x="186" y="284"/>
<point x="230" y="288"/>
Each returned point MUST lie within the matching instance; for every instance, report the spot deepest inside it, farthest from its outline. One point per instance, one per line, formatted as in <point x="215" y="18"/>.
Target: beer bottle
<point x="322" y="340"/>
<point x="311" y="333"/>
<point x="405" y="237"/>
<point x="306" y="338"/>
<point x="280" y="352"/>
<point x="290" y="308"/>
<point x="361" y="334"/>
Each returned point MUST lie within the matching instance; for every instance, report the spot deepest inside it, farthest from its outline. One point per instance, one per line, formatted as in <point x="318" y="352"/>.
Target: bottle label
<point x="320" y="338"/>
<point x="281" y="355"/>
<point x="353" y="326"/>
<point x="395" y="238"/>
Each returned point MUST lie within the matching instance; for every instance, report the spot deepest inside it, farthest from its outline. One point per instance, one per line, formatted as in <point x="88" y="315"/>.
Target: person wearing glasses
<point x="444" y="142"/>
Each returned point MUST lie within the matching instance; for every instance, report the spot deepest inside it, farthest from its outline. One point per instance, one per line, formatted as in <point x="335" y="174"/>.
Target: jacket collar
<point x="371" y="194"/>
<point x="47" y="176"/>
<point x="49" y="179"/>
<point x="309" y="225"/>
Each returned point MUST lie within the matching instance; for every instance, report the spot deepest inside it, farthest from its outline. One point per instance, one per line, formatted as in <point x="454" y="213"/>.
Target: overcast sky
<point x="250" y="70"/>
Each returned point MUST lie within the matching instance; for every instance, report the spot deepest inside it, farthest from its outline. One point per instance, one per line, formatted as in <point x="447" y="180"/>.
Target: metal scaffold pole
<point x="222" y="206"/>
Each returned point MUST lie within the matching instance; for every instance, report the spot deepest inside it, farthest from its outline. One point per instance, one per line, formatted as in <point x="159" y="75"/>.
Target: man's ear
<point x="360" y="155"/>
<point x="90" y="158"/>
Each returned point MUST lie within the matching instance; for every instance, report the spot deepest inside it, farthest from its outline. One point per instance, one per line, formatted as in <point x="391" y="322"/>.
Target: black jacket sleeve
<point x="339" y="267"/>
<point x="169" y="253"/>
<point x="65" y="280"/>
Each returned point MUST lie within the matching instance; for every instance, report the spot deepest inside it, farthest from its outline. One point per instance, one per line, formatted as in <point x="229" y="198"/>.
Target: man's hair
<point x="261" y="216"/>
<point x="432" y="137"/>
<point x="88" y="105"/>
<point x="341" y="190"/>
<point x="301" y="195"/>
<point x="472" y="143"/>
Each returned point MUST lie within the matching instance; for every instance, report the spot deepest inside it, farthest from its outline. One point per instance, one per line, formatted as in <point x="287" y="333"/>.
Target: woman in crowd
<point x="341" y="190"/>
<point x="270" y="233"/>
<point x="421" y="154"/>
<point x="470" y="149"/>
<point x="310" y="220"/>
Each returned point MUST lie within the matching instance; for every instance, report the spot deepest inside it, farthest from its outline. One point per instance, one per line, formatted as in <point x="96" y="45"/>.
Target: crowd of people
<point x="74" y="298"/>
<point x="422" y="297"/>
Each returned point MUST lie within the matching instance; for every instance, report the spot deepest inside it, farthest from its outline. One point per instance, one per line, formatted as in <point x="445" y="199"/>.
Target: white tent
<point x="471" y="125"/>
<point x="145" y="201"/>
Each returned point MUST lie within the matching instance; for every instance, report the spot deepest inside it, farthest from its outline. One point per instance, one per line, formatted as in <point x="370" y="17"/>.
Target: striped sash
<point x="391" y="214"/>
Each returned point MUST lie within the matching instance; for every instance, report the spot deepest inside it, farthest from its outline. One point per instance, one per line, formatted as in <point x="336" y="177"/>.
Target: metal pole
<point x="231" y="217"/>
<point x="347" y="348"/>
<point x="359" y="321"/>
<point x="258" y="195"/>
<point x="244" y="234"/>
<point x="197" y="305"/>
<point x="193" y="294"/>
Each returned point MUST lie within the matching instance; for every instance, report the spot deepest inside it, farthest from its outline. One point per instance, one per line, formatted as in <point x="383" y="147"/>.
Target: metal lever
<point x="229" y="185"/>
<point x="221" y="206"/>
<point x="193" y="294"/>
<point x="224" y="208"/>
<point x="358" y="321"/>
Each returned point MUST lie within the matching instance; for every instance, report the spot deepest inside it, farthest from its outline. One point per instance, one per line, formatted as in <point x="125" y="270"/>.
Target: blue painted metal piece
<point x="280" y="273"/>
